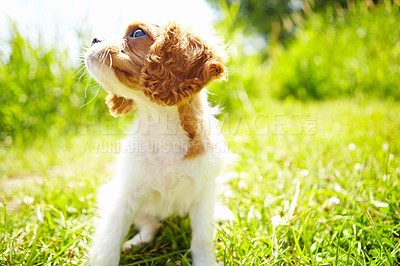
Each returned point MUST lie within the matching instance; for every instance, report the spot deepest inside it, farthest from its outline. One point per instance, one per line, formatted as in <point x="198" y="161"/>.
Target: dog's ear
<point x="178" y="66"/>
<point x="119" y="105"/>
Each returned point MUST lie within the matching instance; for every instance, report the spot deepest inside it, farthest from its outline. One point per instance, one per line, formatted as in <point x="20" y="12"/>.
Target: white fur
<point x="154" y="180"/>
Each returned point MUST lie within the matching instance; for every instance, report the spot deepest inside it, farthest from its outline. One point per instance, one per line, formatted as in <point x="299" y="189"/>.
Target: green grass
<point x="330" y="170"/>
<point x="301" y="177"/>
<point x="43" y="92"/>
<point x="340" y="52"/>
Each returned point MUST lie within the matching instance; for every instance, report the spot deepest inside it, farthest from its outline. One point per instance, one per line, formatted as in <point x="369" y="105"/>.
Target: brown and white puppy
<point x="169" y="163"/>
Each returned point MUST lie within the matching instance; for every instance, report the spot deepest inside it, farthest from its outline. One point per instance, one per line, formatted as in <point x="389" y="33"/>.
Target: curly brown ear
<point x="119" y="105"/>
<point x="178" y="66"/>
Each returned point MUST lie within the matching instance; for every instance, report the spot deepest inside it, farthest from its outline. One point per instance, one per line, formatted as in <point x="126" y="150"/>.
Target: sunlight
<point x="60" y="20"/>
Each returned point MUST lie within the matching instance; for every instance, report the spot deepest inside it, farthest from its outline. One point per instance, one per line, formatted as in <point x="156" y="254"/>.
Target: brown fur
<point x="126" y="60"/>
<point x="119" y="105"/>
<point x="128" y="71"/>
<point x="191" y="117"/>
<point x="179" y="65"/>
<point x="170" y="66"/>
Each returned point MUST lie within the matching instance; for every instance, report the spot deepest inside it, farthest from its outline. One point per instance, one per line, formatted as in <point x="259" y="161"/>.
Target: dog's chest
<point x="170" y="181"/>
<point x="171" y="195"/>
<point x="160" y="139"/>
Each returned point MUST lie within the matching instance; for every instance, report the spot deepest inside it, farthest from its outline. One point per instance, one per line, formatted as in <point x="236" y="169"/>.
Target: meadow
<point x="317" y="176"/>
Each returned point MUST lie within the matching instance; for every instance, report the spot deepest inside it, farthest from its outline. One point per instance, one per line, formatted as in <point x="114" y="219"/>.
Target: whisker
<point x="87" y="82"/>
<point x="83" y="73"/>
<point x="105" y="54"/>
<point x="92" y="98"/>
<point x="123" y="101"/>
<point x="108" y="54"/>
<point x="77" y="72"/>
<point x="103" y="63"/>
<point x="102" y="57"/>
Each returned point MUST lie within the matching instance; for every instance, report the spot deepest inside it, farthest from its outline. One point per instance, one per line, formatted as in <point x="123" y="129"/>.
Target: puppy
<point x="169" y="163"/>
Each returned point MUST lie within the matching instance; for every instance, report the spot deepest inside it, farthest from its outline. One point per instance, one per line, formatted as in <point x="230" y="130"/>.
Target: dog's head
<point x="169" y="65"/>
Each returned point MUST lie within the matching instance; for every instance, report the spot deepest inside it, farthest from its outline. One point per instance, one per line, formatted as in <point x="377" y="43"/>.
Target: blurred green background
<point x="329" y="69"/>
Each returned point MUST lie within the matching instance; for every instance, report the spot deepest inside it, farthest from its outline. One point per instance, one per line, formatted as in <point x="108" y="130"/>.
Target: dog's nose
<point x="95" y="40"/>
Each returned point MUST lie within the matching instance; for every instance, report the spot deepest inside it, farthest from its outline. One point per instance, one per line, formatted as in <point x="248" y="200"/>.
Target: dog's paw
<point x="137" y="240"/>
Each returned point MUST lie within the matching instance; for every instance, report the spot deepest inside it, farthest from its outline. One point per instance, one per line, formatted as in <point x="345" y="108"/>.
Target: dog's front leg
<point x="111" y="231"/>
<point x="202" y="245"/>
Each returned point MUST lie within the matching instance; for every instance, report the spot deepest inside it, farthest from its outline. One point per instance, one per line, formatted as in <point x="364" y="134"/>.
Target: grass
<point x="358" y="55"/>
<point x="316" y="184"/>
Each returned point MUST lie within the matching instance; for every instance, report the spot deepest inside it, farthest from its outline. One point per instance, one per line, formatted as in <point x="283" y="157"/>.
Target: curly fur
<point x="119" y="105"/>
<point x="178" y="66"/>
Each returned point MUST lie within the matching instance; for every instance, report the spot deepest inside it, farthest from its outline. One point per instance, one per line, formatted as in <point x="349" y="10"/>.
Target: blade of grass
<point x="338" y="242"/>
<point x="156" y="258"/>
<point x="296" y="241"/>
<point x="378" y="238"/>
<point x="68" y="245"/>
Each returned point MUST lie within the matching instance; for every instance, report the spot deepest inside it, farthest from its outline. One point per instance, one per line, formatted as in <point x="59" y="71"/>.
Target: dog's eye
<point x="138" y="33"/>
